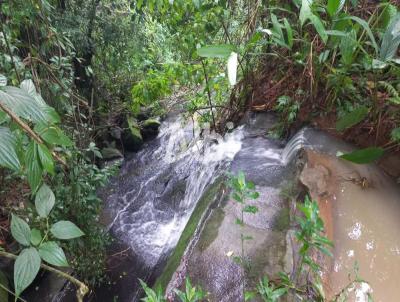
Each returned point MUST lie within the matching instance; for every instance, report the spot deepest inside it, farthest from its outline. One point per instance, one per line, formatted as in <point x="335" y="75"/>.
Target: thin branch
<point x="12" y="293"/>
<point x="230" y="42"/>
<point x="70" y="92"/>
<point x="208" y="91"/>
<point x="80" y="293"/>
<point x="29" y="131"/>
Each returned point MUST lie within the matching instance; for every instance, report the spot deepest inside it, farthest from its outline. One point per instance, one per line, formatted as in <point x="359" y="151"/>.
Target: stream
<point x="164" y="188"/>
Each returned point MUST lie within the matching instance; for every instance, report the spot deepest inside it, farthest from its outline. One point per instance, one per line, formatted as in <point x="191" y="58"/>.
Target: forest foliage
<point x="71" y="71"/>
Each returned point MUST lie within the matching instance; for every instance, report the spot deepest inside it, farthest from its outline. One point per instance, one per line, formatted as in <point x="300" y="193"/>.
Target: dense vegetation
<point x="80" y="80"/>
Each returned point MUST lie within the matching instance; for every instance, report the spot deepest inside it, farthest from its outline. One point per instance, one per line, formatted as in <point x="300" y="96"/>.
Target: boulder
<point x="150" y="128"/>
<point x="109" y="153"/>
<point x="132" y="139"/>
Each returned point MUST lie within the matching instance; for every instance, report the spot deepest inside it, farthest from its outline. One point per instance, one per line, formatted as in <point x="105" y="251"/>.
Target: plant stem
<point x="10" y="292"/>
<point x="208" y="91"/>
<point x="80" y="293"/>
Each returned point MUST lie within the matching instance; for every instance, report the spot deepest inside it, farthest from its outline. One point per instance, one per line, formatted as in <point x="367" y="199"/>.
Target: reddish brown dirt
<point x="318" y="112"/>
<point x="13" y="194"/>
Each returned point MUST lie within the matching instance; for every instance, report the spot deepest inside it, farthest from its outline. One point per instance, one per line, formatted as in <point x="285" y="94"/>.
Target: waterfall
<point x="152" y="207"/>
<point x="298" y="142"/>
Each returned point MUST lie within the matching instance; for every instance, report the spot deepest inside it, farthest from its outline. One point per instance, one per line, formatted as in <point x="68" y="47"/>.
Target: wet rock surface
<point x="210" y="261"/>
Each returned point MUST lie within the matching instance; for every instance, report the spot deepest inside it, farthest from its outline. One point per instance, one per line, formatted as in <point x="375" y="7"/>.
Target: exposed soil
<point x="13" y="194"/>
<point x="318" y="111"/>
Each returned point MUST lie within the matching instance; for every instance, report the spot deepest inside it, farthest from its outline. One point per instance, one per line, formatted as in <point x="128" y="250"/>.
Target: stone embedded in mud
<point x="315" y="178"/>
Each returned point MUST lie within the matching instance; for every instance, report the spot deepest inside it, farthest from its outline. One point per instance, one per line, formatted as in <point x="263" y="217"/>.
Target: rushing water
<point x="158" y="189"/>
<point x="149" y="203"/>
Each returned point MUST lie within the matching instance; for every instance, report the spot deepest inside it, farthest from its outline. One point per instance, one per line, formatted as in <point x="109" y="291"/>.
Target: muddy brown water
<point x="360" y="206"/>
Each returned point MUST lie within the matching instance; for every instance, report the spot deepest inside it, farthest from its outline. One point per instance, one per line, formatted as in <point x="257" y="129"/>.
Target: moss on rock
<point x="174" y="260"/>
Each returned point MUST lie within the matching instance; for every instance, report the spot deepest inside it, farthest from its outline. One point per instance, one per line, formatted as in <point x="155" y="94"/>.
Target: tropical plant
<point x="243" y="190"/>
<point x="41" y="244"/>
<point x="152" y="295"/>
<point x="191" y="293"/>
<point x="268" y="291"/>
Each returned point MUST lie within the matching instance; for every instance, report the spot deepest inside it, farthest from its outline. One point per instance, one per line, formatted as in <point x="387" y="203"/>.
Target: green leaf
<point x="395" y="135"/>
<point x="216" y="51"/>
<point x="319" y="26"/>
<point x="289" y="32"/>
<point x="334" y="6"/>
<point x="52" y="253"/>
<point x="46" y="158"/>
<point x="250" y="209"/>
<point x="348" y="45"/>
<point x="36" y="236"/>
<point x="3" y="287"/>
<point x="237" y="197"/>
<point x="319" y="288"/>
<point x="65" y="230"/>
<point x="254" y="195"/>
<point x="305" y="11"/>
<point x="52" y="135"/>
<point x="250" y="185"/>
<point x="366" y="27"/>
<point x="239" y="222"/>
<point x="307" y="14"/>
<point x="363" y="156"/>
<point x="34" y="169"/>
<point x="8" y="156"/>
<point x="23" y="104"/>
<point x="391" y="40"/>
<point x="20" y="230"/>
<point x="352" y="118"/>
<point x="44" y="201"/>
<point x="249" y="295"/>
<point x="26" y="268"/>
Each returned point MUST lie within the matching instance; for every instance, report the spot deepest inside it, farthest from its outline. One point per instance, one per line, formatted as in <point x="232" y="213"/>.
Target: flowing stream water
<point x="149" y="204"/>
<point x="158" y="189"/>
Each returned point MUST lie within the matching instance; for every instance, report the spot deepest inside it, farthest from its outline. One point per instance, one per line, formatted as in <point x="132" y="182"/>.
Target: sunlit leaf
<point x="215" y="51"/>
<point x="232" y="68"/>
<point x="334" y="6"/>
<point x="65" y="230"/>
